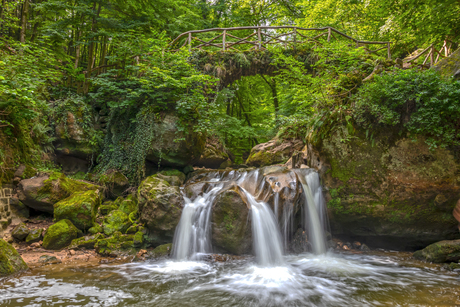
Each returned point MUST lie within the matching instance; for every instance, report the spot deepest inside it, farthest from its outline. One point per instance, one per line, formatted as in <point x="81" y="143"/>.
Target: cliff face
<point x="387" y="190"/>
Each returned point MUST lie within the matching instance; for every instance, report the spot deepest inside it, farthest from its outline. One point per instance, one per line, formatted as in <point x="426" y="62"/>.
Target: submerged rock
<point x="80" y="208"/>
<point x="231" y="227"/>
<point x="59" y="235"/>
<point x="439" y="252"/>
<point x="10" y="260"/>
<point x="41" y="193"/>
<point x="160" y="207"/>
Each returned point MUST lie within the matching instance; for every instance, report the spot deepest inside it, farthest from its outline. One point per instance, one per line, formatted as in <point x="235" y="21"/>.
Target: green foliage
<point x="420" y="101"/>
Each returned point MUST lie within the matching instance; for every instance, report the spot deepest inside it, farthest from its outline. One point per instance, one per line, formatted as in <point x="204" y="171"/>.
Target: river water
<point x="375" y="279"/>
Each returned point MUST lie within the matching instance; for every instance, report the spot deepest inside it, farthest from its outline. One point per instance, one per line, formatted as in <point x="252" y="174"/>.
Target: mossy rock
<point x="116" y="245"/>
<point x="132" y="229"/>
<point x="127" y="205"/>
<point x="138" y="239"/>
<point x="20" y="232"/>
<point x="80" y="208"/>
<point x="115" y="182"/>
<point x="10" y="260"/>
<point x="439" y="252"/>
<point x="173" y="177"/>
<point x="42" y="192"/>
<point x="160" y="251"/>
<point x="35" y="235"/>
<point x="213" y="154"/>
<point x="87" y="242"/>
<point x="60" y="235"/>
<point x="160" y="208"/>
<point x="273" y="152"/>
<point x="95" y="229"/>
<point x="116" y="221"/>
<point x="450" y="66"/>
<point x="107" y="207"/>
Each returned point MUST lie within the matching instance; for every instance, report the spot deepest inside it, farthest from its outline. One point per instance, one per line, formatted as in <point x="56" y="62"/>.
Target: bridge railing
<point x="263" y="36"/>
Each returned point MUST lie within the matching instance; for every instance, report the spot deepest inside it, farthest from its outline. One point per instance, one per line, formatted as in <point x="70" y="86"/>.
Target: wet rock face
<point x="273" y="152"/>
<point x="279" y="187"/>
<point x="300" y="243"/>
<point x="175" y="154"/>
<point x="160" y="208"/>
<point x="41" y="193"/>
<point x="231" y="227"/>
<point x="10" y="260"/>
<point x="439" y="252"/>
<point x="391" y="191"/>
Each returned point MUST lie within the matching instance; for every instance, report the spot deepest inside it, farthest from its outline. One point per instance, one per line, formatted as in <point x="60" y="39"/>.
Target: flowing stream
<point x="272" y="277"/>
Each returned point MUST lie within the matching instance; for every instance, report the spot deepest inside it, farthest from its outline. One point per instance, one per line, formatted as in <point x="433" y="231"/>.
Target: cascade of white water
<point x="315" y="218"/>
<point x="192" y="236"/>
<point x="265" y="233"/>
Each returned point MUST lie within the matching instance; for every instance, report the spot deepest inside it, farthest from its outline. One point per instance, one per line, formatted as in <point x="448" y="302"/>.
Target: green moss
<point x="162" y="250"/>
<point x="116" y="245"/>
<point x="60" y="235"/>
<point x="116" y="221"/>
<point x="127" y="205"/>
<point x="443" y="251"/>
<point x="107" y="207"/>
<point x="20" y="232"/>
<point x="10" y="260"/>
<point x="58" y="186"/>
<point x="85" y="242"/>
<point x="80" y="208"/>
<point x="138" y="240"/>
<point x="95" y="229"/>
<point x="34" y="235"/>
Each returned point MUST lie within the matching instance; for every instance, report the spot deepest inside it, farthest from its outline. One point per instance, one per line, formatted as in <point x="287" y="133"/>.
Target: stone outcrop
<point x="160" y="208"/>
<point x="214" y="155"/>
<point x="42" y="192"/>
<point x="273" y="152"/>
<point x="10" y="260"/>
<point x="387" y="190"/>
<point x="167" y="152"/>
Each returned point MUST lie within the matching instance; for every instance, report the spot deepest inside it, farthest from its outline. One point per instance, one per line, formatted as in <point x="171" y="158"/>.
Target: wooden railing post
<point x="190" y="42"/>
<point x="388" y="51"/>
<point x="223" y="40"/>
<point x="259" y="36"/>
<point x="329" y="33"/>
<point x="295" y="39"/>
<point x="432" y="55"/>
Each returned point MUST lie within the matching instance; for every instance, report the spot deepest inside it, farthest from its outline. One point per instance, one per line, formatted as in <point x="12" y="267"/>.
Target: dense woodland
<point x="115" y="56"/>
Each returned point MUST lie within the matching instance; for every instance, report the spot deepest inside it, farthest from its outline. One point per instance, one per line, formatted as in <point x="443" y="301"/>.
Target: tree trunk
<point x="25" y="12"/>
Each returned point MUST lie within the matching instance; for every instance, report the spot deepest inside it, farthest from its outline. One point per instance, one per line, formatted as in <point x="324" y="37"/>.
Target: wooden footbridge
<point x="242" y="39"/>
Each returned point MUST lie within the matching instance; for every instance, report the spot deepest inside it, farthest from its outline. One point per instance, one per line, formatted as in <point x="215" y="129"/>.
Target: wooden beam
<point x="223" y="40"/>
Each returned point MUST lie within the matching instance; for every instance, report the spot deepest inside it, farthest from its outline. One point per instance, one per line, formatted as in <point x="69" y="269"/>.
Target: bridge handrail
<point x="259" y="41"/>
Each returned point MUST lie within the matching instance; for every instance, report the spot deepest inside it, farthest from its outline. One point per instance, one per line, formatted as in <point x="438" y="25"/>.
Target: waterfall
<point x="192" y="236"/>
<point x="265" y="233"/>
<point x="315" y="213"/>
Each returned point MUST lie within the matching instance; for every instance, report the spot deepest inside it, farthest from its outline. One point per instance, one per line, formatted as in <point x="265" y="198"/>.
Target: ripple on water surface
<point x="305" y="280"/>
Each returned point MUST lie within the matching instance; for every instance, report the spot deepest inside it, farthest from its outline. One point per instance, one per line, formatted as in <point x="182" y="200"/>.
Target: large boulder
<point x="115" y="182"/>
<point x="60" y="235"/>
<point x="10" y="260"/>
<point x="213" y="154"/>
<point x="160" y="208"/>
<point x="273" y="152"/>
<point x="167" y="152"/>
<point x="42" y="192"/>
<point x="20" y="232"/>
<point x="231" y="230"/>
<point x="80" y="208"/>
<point x="439" y="252"/>
<point x="387" y="190"/>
